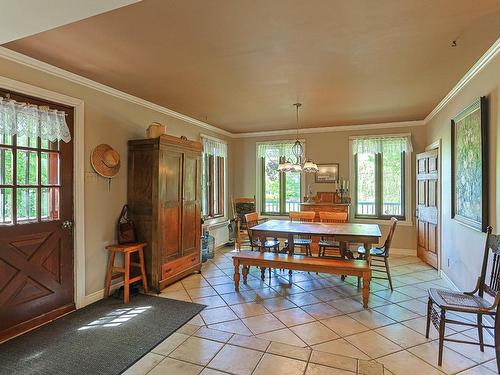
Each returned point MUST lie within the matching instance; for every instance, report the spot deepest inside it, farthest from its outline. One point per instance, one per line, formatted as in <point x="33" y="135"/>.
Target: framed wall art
<point x="469" y="166"/>
<point x="328" y="173"/>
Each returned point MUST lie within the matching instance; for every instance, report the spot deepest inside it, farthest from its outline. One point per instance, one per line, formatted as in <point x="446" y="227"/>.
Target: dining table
<point x="344" y="233"/>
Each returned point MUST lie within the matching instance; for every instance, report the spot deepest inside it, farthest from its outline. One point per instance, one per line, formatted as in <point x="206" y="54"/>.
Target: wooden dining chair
<point x="380" y="255"/>
<point x="328" y="243"/>
<point x="252" y="219"/>
<point x="441" y="301"/>
<point x="302" y="241"/>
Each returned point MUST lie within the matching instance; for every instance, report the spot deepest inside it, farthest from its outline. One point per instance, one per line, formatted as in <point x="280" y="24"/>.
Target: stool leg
<point x="109" y="274"/>
<point x="126" y="284"/>
<point x="143" y="271"/>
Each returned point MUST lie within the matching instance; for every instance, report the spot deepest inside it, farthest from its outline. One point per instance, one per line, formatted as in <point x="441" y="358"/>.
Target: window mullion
<point x="282" y="193"/>
<point x="379" y="184"/>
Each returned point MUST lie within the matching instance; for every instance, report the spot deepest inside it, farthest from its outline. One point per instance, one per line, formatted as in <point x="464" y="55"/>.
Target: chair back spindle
<point x="387" y="244"/>
<point x="493" y="245"/>
<point x="252" y="219"/>
<point x="302" y="216"/>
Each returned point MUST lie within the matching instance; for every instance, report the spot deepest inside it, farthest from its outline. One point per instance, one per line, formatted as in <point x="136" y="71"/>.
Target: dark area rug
<point x="104" y="338"/>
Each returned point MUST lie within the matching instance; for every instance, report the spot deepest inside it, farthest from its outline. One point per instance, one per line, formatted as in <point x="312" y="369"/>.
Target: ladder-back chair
<point x="380" y="255"/>
<point x="302" y="241"/>
<point x="328" y="243"/>
<point x="441" y="301"/>
<point x="241" y="207"/>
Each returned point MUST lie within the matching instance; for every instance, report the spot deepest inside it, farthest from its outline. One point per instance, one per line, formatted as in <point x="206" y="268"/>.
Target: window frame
<point x="406" y="180"/>
<point x="260" y="187"/>
<point x="209" y="170"/>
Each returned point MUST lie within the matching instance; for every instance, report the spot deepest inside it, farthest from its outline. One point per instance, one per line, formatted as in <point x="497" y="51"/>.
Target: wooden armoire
<point x="164" y="188"/>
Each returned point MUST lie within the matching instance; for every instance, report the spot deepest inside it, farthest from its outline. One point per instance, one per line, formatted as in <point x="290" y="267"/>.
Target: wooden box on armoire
<point x="164" y="190"/>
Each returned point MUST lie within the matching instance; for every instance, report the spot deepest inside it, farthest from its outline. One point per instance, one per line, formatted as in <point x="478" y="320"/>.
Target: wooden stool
<point x="126" y="250"/>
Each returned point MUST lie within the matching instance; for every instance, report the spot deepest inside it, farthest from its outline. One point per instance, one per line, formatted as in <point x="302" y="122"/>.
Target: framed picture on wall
<point x="328" y="173"/>
<point x="469" y="166"/>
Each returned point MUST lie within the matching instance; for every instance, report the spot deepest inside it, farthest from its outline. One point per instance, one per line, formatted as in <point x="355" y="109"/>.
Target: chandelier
<point x="298" y="151"/>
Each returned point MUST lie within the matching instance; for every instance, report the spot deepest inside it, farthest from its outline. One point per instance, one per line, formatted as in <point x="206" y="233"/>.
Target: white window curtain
<point x="33" y="121"/>
<point x="214" y="147"/>
<point x="375" y="145"/>
<point x="275" y="150"/>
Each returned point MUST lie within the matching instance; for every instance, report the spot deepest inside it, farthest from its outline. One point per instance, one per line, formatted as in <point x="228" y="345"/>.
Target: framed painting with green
<point x="469" y="166"/>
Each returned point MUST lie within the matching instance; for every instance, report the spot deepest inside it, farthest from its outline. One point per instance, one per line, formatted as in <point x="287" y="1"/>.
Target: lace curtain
<point x="29" y="120"/>
<point x="214" y="147"/>
<point x="275" y="150"/>
<point x="375" y="145"/>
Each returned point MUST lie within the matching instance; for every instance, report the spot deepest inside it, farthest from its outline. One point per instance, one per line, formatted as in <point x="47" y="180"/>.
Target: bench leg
<point x="366" y="288"/>
<point x="236" y="275"/>
<point x="109" y="274"/>
<point x="126" y="283"/>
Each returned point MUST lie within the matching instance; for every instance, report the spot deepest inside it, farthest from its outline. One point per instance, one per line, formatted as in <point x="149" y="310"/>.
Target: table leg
<point x="290" y="244"/>
<point x="236" y="275"/>
<point x="245" y="274"/>
<point x="366" y="288"/>
<point x="368" y="256"/>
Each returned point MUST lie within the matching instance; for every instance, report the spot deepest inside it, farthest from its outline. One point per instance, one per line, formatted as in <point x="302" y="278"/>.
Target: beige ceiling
<point x="240" y="65"/>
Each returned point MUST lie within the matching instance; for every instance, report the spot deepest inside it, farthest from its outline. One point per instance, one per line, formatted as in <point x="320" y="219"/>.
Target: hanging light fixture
<point x="298" y="151"/>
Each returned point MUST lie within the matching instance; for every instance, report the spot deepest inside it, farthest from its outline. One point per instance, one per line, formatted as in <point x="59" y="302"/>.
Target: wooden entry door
<point x="428" y="205"/>
<point x="36" y="238"/>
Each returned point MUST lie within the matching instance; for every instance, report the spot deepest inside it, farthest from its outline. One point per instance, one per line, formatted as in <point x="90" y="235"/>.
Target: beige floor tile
<point x="232" y="326"/>
<point x="168" y="345"/>
<point x="276" y="365"/>
<point x="210" y="301"/>
<point x="334" y="360"/>
<point x="188" y="329"/>
<point x="144" y="365"/>
<point x="371" y="318"/>
<point x="403" y="363"/>
<point x="341" y="347"/>
<point x="236" y="360"/>
<point x="347" y="305"/>
<point x="194" y="281"/>
<point x="173" y="287"/>
<point x="402" y="335"/>
<point x="293" y="317"/>
<point x="277" y="304"/>
<point x="370" y="367"/>
<point x="217" y="315"/>
<point x="209" y="371"/>
<point x="213" y="334"/>
<point x="246" y="310"/>
<point x="250" y="342"/>
<point x="290" y="351"/>
<point x="180" y="295"/>
<point x="174" y="367"/>
<point x="415" y="305"/>
<point x="344" y="325"/>
<point x="470" y="351"/>
<point x="206" y="291"/>
<point x="302" y="299"/>
<point x="419" y="325"/>
<point x="412" y="291"/>
<point x="396" y="312"/>
<point x="492" y="365"/>
<point x="478" y="370"/>
<point x="452" y="361"/>
<point x="197" y="321"/>
<point x="263" y="323"/>
<point x="285" y="336"/>
<point x="314" y="333"/>
<point x="315" y="369"/>
<point x="373" y="344"/>
<point x="392" y="296"/>
<point x="322" y="311"/>
<point x="197" y="350"/>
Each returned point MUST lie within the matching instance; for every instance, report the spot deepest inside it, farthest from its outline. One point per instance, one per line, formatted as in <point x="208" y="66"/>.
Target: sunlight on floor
<point x="116" y="318"/>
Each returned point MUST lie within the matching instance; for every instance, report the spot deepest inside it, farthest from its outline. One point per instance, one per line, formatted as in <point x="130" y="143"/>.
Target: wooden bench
<point x="351" y="267"/>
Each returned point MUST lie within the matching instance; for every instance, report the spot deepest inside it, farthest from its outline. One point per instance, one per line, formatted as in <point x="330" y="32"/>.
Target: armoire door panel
<point x="191" y="205"/>
<point x="170" y="197"/>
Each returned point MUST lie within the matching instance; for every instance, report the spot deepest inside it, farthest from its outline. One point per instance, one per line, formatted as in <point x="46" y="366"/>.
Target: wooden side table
<point x="115" y="272"/>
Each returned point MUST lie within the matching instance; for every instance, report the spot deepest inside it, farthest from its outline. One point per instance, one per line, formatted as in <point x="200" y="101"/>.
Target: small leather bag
<point x="126" y="228"/>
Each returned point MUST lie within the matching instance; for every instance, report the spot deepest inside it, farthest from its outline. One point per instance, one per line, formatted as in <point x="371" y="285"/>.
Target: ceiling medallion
<point x="298" y="151"/>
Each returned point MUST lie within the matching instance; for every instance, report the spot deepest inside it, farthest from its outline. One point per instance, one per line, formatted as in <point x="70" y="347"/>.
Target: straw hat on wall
<point x="105" y="160"/>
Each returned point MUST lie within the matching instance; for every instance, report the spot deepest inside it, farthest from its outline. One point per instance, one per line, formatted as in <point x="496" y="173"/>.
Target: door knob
<point x="68" y="224"/>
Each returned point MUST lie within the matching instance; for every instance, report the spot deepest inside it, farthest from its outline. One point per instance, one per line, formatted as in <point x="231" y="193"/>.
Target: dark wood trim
<point x="18" y="329"/>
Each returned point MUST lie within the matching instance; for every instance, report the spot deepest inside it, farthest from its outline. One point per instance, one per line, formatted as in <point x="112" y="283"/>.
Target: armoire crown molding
<point x="30" y="62"/>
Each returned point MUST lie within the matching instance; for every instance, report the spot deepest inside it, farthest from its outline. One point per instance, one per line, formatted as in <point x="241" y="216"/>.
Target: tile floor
<point x="310" y="324"/>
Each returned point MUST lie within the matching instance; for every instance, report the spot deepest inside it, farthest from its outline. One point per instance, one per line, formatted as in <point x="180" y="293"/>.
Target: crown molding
<point x="484" y="60"/>
<point x="61" y="73"/>
<point x="329" y="129"/>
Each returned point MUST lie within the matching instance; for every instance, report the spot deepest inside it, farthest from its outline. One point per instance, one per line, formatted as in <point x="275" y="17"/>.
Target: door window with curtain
<point x="380" y="165"/>
<point x="213" y="177"/>
<point x="279" y="192"/>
